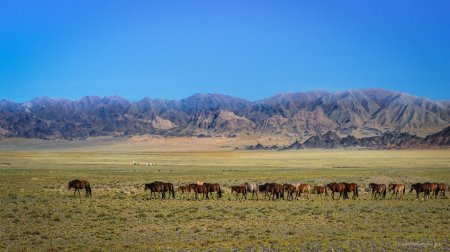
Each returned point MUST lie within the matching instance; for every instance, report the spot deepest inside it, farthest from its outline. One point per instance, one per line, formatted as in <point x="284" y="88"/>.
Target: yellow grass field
<point x="39" y="213"/>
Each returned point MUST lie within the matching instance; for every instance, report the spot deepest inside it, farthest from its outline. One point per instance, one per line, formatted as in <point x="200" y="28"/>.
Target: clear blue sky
<point x="251" y="49"/>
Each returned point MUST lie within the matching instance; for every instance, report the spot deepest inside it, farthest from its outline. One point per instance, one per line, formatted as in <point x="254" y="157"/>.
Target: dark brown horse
<point x="239" y="190"/>
<point x="199" y="189"/>
<point x="168" y="187"/>
<point x="155" y="187"/>
<point x="351" y="187"/>
<point x="80" y="184"/>
<point x="397" y="189"/>
<point x="263" y="189"/>
<point x="266" y="188"/>
<point x="421" y="187"/>
<point x="277" y="191"/>
<point x="321" y="190"/>
<point x="337" y="188"/>
<point x="378" y="190"/>
<point x="214" y="187"/>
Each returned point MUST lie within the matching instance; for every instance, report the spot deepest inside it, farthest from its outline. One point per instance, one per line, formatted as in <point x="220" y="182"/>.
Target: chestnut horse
<point x="184" y="190"/>
<point x="80" y="184"/>
<point x="441" y="188"/>
<point x="290" y="189"/>
<point x="321" y="189"/>
<point x="434" y="189"/>
<point x="378" y="189"/>
<point x="338" y="188"/>
<point x="351" y="187"/>
<point x="302" y="188"/>
<point x="199" y="189"/>
<point x="396" y="189"/>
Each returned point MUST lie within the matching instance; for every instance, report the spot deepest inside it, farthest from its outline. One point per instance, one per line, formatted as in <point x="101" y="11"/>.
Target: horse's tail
<point x="404" y="189"/>
<point x="384" y="193"/>
<point x="219" y="192"/>
<point x="88" y="189"/>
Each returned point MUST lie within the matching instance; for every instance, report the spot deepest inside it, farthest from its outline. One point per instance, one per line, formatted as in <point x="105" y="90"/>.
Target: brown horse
<point x="80" y="184"/>
<point x="199" y="189"/>
<point x="302" y="188"/>
<point x="321" y="189"/>
<point x="378" y="190"/>
<point x="184" y="190"/>
<point x="396" y="189"/>
<point x="168" y="187"/>
<point x="263" y="189"/>
<point x="154" y="187"/>
<point x="239" y="190"/>
<point x="277" y="191"/>
<point x="441" y="188"/>
<point x="338" y="188"/>
<point x="434" y="189"/>
<point x="266" y="188"/>
<point x="290" y="189"/>
<point x="419" y="187"/>
<point x="351" y="187"/>
<point x="213" y="187"/>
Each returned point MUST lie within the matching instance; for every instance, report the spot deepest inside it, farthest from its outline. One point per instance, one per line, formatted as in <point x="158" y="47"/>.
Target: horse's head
<point x="71" y="185"/>
<point x="391" y="187"/>
<point x="146" y="186"/>
<point x="414" y="187"/>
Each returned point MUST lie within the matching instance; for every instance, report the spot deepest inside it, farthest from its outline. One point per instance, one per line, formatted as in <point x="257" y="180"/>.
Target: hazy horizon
<point x="198" y="93"/>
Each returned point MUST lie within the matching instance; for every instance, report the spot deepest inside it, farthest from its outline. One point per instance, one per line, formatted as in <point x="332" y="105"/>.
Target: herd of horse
<point x="276" y="191"/>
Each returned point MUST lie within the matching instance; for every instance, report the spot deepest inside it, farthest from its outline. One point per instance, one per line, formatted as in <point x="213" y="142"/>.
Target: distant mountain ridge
<point x="369" y="112"/>
<point x="387" y="140"/>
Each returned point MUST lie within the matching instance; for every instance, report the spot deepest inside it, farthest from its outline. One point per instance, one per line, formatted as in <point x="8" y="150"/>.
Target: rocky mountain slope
<point x="356" y="112"/>
<point x="387" y="140"/>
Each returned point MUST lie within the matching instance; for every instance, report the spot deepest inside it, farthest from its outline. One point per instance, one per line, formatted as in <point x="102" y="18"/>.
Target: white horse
<point x="253" y="188"/>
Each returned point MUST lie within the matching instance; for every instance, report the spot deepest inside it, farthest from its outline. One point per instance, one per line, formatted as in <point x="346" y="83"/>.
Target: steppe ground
<point x="39" y="213"/>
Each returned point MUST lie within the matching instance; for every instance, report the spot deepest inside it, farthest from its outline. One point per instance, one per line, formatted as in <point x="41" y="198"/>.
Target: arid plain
<point x="39" y="213"/>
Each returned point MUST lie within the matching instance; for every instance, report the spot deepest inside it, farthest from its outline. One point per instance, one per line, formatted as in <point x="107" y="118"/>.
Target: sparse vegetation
<point x="39" y="213"/>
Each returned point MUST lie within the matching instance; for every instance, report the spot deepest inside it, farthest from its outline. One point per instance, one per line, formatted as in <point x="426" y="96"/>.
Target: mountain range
<point x="360" y="113"/>
<point x="387" y="140"/>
